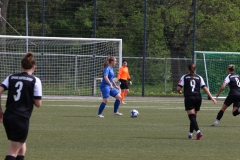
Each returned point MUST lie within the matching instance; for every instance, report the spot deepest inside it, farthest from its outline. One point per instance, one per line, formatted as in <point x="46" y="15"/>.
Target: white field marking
<point x="149" y="107"/>
<point x="93" y="100"/>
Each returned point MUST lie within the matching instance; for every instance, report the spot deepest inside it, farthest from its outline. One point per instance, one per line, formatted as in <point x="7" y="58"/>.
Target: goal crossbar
<point x="66" y="66"/>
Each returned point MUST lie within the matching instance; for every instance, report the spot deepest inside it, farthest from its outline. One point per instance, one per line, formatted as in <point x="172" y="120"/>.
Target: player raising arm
<point x="233" y="80"/>
<point x="24" y="91"/>
<point x="192" y="97"/>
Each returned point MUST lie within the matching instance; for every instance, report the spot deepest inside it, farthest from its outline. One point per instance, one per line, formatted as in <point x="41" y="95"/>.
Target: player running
<point x="193" y="99"/>
<point x="124" y="77"/>
<point x="233" y="80"/>
<point x="107" y="88"/>
<point x="24" y="91"/>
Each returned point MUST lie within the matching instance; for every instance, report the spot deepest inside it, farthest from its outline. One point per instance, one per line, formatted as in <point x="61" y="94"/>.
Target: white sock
<point x="190" y="134"/>
<point x="198" y="131"/>
<point x="217" y="121"/>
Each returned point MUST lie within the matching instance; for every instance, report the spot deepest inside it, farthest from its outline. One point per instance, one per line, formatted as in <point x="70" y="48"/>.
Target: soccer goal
<point x="66" y="66"/>
<point x="212" y="66"/>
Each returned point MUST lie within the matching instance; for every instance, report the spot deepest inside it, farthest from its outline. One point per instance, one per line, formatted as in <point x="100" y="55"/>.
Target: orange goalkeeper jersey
<point x="123" y="73"/>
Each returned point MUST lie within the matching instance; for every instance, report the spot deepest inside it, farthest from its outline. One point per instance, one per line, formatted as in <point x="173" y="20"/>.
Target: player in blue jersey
<point x="192" y="97"/>
<point x="233" y="80"/>
<point x="24" y="91"/>
<point x="107" y="87"/>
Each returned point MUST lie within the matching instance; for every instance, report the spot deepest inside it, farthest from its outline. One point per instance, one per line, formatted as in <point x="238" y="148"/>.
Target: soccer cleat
<point x="190" y="137"/>
<point x="117" y="114"/>
<point x="214" y="124"/>
<point x="199" y="136"/>
<point x="123" y="103"/>
<point x="100" y="116"/>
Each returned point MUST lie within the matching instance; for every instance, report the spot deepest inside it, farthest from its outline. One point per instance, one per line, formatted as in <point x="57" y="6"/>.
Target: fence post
<point x="165" y="76"/>
<point x="144" y="47"/>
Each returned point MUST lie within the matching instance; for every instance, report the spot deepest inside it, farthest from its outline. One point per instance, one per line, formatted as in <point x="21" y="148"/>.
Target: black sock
<point x="192" y="118"/>
<point x="220" y="114"/>
<point x="191" y="127"/>
<point x="20" y="157"/>
<point x="235" y="113"/>
<point x="10" y="158"/>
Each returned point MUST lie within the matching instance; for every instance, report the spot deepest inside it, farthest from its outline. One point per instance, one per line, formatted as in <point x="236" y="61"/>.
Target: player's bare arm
<point x="179" y="89"/>
<point x="221" y="89"/>
<point x="209" y="94"/>
<point x="38" y="102"/>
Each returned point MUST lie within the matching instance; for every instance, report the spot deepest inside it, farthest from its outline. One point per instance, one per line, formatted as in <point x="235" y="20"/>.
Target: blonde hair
<point x="108" y="61"/>
<point x="231" y="67"/>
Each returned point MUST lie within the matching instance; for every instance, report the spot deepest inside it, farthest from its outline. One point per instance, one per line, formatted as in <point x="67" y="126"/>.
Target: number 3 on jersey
<point x="19" y="86"/>
<point x="193" y="84"/>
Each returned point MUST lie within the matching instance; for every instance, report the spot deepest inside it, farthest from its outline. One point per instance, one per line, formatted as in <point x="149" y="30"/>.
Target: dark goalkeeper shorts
<point x="232" y="99"/>
<point x="124" y="84"/>
<point x="193" y="102"/>
<point x="16" y="126"/>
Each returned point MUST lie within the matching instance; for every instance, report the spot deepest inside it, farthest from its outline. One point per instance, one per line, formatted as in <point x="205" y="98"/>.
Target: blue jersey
<point x="108" y="71"/>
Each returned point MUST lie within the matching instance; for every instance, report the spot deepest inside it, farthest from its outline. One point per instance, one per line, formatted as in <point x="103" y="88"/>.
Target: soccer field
<point x="68" y="129"/>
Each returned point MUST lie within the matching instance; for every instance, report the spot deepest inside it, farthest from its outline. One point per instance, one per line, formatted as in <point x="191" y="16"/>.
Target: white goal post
<point x="66" y="66"/>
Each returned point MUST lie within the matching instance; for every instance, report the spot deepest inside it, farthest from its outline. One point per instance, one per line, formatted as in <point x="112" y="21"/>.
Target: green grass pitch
<point x="69" y="129"/>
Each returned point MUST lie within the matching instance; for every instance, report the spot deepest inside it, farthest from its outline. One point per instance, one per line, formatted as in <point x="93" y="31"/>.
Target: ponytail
<point x="107" y="61"/>
<point x="28" y="61"/>
<point x="192" y="69"/>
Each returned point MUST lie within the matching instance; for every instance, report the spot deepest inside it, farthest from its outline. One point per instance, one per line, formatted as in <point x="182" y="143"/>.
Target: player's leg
<point x="126" y="92"/>
<point x="16" y="127"/>
<point x="122" y="90"/>
<point x="105" y="95"/>
<point x="124" y="87"/>
<point x="190" y="134"/>
<point x="220" y="115"/>
<point x="228" y="101"/>
<point x="197" y="105"/>
<point x="14" y="149"/>
<point x="192" y="118"/>
<point x="122" y="95"/>
<point x="236" y="109"/>
<point x="192" y="106"/>
<point x="114" y="93"/>
<point x="22" y="152"/>
<point x="101" y="107"/>
<point x="190" y="103"/>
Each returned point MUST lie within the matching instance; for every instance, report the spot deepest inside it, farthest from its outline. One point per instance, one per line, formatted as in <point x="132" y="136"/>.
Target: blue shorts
<point x="107" y="92"/>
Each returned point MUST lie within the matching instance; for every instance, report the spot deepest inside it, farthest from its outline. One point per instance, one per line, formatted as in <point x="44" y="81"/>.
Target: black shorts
<point x="193" y="102"/>
<point x="16" y="126"/>
<point x="235" y="99"/>
<point x="124" y="84"/>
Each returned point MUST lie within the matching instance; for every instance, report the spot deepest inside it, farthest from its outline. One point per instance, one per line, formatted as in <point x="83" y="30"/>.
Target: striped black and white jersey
<point x="233" y="80"/>
<point x="191" y="86"/>
<point x="22" y="90"/>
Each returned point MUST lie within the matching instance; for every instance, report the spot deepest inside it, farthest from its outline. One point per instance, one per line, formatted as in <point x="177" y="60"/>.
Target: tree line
<point x="169" y="31"/>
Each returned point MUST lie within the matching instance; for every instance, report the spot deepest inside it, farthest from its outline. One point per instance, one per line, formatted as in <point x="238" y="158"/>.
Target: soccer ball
<point x="134" y="113"/>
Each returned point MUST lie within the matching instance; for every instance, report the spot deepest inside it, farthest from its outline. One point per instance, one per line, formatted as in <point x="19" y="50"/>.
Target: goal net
<point x="212" y="66"/>
<point x="66" y="66"/>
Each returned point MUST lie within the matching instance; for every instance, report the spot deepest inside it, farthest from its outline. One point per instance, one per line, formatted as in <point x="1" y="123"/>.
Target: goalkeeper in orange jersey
<point x="124" y="77"/>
